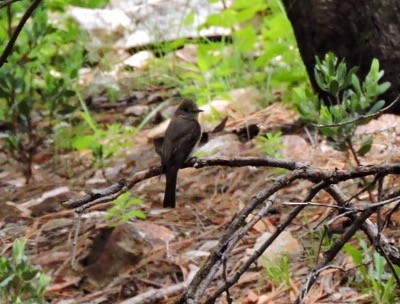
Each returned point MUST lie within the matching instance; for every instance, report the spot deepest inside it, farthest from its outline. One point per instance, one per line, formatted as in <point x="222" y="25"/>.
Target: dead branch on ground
<point x="327" y="180"/>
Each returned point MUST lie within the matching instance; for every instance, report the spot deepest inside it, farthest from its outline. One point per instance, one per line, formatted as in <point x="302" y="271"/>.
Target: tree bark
<point x="356" y="30"/>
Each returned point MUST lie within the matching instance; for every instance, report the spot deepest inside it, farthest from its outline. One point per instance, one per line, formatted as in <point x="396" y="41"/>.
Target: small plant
<point x="123" y="211"/>
<point x="260" y="52"/>
<point x="103" y="143"/>
<point x="278" y="273"/>
<point x="349" y="99"/>
<point x="36" y="82"/>
<point x="270" y="144"/>
<point x="21" y="282"/>
<point x="372" y="275"/>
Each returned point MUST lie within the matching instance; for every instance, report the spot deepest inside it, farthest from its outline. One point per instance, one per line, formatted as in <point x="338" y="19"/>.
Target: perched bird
<point x="182" y="136"/>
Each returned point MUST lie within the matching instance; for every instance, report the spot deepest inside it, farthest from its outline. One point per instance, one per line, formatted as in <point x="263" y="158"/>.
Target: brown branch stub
<point x="8" y="49"/>
<point x="5" y="3"/>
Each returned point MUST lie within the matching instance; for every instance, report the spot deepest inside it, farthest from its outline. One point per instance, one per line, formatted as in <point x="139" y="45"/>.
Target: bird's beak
<point x="199" y="110"/>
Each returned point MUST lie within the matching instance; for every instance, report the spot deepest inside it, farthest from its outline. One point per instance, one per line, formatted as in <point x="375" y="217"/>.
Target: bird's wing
<point x="180" y="139"/>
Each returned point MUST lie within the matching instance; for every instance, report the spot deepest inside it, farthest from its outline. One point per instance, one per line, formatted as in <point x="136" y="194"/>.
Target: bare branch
<point x="191" y="294"/>
<point x="333" y="251"/>
<point x="232" y="243"/>
<point x="156" y="295"/>
<point x="254" y="257"/>
<point x="307" y="172"/>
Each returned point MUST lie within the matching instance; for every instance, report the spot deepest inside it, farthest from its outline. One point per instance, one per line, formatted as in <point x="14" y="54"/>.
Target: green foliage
<point x="350" y="99"/>
<point x="270" y="144"/>
<point x="37" y="80"/>
<point x="374" y="278"/>
<point x="278" y="273"/>
<point x="261" y="52"/>
<point x="123" y="210"/>
<point x="104" y="143"/>
<point x="21" y="282"/>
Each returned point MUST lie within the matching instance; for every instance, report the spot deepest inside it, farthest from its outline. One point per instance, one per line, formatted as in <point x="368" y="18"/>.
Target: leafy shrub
<point x="270" y="143"/>
<point x="372" y="275"/>
<point x="37" y="81"/>
<point x="21" y="282"/>
<point x="349" y="99"/>
<point x="123" y="210"/>
<point x="260" y="52"/>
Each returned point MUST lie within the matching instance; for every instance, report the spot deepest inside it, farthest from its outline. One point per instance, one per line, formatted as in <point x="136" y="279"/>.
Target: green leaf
<point x="334" y="87"/>
<point x="13" y="142"/>
<point x="29" y="273"/>
<point x="86" y="114"/>
<point x="319" y="80"/>
<point x="366" y="146"/>
<point x="356" y="84"/>
<point x="189" y="19"/>
<point x="383" y="87"/>
<point x="83" y="142"/>
<point x="18" y="251"/>
<point x="349" y="76"/>
<point x="376" y="107"/>
<point x="325" y="115"/>
<point x="44" y="281"/>
<point x="7" y="281"/>
<point x="245" y="39"/>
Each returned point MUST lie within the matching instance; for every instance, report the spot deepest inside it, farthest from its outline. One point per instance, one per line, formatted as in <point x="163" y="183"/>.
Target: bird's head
<point x="188" y="108"/>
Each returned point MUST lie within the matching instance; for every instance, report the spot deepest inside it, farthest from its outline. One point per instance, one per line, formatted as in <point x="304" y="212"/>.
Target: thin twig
<point x="8" y="49"/>
<point x="155" y="295"/>
<point x="369" y="228"/>
<point x="223" y="245"/>
<point x="318" y="205"/>
<point x="75" y="239"/>
<point x="332" y="252"/>
<point x="257" y="253"/>
<point x="236" y="237"/>
<point x="308" y="172"/>
<point x="7" y="2"/>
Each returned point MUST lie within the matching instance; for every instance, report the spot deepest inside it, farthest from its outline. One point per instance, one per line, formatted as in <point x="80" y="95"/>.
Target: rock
<point x="284" y="244"/>
<point x="101" y="21"/>
<point x="154" y="234"/>
<point x="54" y="193"/>
<point x="251" y="298"/>
<point x="188" y="53"/>
<point x="245" y="100"/>
<point x="159" y="130"/>
<point x="58" y="224"/>
<point x="13" y="231"/>
<point x="139" y="60"/>
<point x="96" y="180"/>
<point x="50" y="205"/>
<point x="224" y="145"/>
<point x="112" y="252"/>
<point x="218" y="105"/>
<point x="136" y="110"/>
<point x="130" y="24"/>
<point x="49" y="202"/>
<point x="9" y="212"/>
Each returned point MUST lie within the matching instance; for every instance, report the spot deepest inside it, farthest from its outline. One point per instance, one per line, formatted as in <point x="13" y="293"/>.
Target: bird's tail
<point x="170" y="188"/>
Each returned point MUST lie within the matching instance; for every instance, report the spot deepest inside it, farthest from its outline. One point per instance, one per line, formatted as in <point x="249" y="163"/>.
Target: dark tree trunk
<point x="357" y="30"/>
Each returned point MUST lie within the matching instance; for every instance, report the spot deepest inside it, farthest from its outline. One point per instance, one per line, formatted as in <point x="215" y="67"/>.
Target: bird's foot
<point x="193" y="160"/>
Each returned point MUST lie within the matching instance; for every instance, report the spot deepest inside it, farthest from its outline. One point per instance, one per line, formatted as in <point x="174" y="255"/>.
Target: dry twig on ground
<point x="323" y="180"/>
